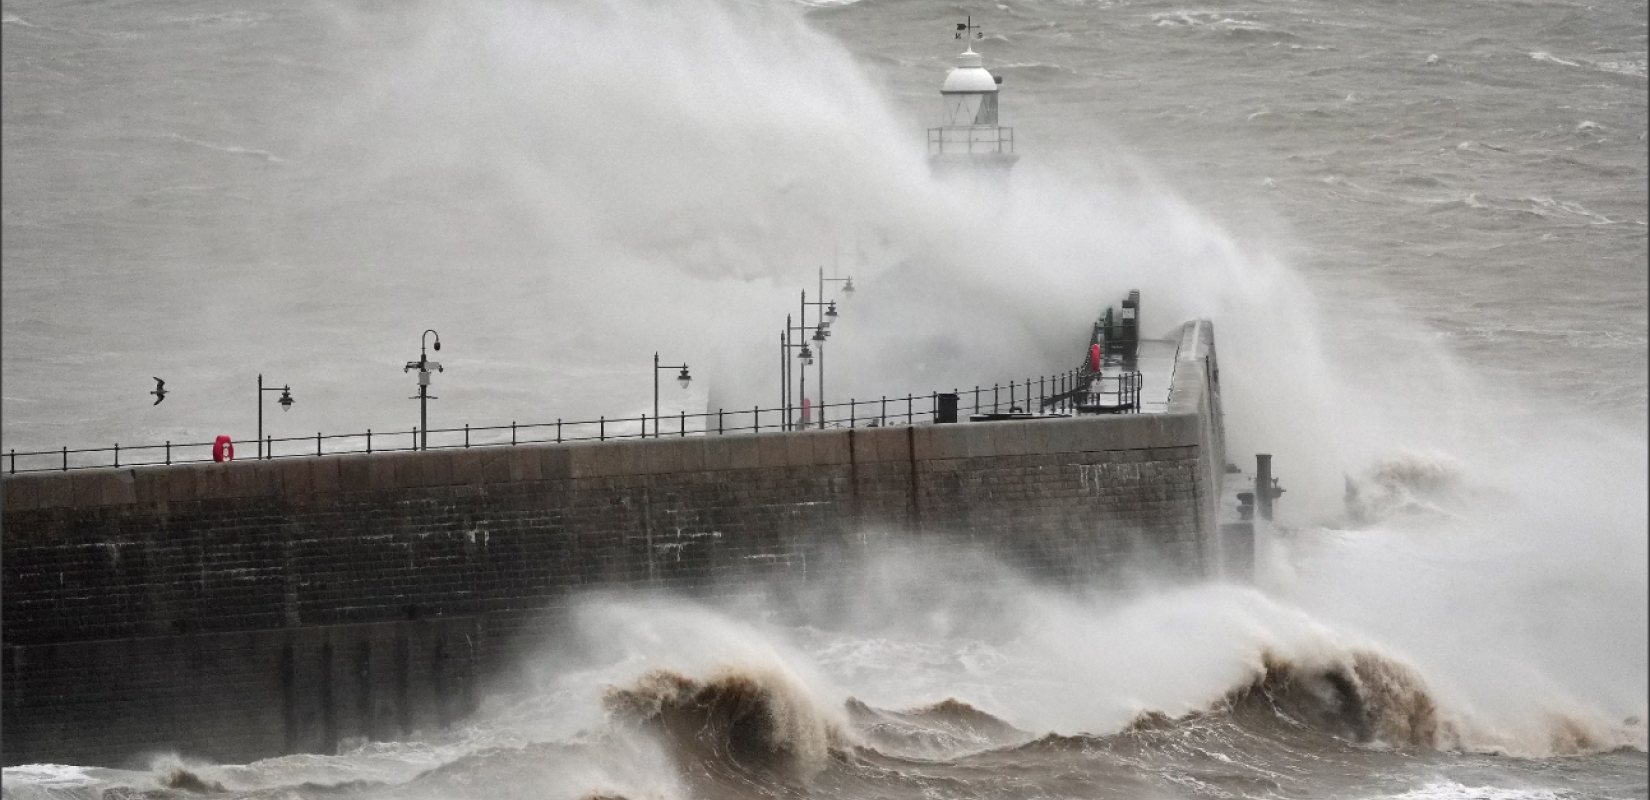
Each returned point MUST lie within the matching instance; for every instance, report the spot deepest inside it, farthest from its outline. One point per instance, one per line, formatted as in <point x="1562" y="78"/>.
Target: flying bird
<point x="160" y="391"/>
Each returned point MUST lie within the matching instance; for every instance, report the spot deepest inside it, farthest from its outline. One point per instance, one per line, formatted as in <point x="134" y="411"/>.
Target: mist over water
<point x="562" y="189"/>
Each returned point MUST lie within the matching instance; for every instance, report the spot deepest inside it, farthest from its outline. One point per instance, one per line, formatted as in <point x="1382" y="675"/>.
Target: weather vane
<point x="968" y="29"/>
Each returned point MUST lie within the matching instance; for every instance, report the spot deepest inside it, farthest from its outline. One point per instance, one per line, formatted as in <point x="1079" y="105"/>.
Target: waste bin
<point x="945" y="409"/>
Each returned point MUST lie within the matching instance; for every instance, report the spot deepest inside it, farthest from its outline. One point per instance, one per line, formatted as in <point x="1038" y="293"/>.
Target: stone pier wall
<point x="247" y="609"/>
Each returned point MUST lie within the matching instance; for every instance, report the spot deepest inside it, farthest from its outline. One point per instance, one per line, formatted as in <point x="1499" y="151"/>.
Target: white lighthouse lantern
<point x="969" y="139"/>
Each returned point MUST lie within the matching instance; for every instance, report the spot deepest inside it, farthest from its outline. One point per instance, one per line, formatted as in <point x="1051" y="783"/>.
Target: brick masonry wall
<point x="122" y="585"/>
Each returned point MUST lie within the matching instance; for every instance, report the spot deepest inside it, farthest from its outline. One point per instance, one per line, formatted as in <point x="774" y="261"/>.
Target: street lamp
<point x="682" y="379"/>
<point x="286" y="405"/>
<point x="423" y="365"/>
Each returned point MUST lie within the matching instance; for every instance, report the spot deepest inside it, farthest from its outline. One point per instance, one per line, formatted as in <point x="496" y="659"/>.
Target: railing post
<point x="466" y="434"/>
<point x="269" y="445"/>
<point x="415" y="437"/>
<point x="851" y="412"/>
<point x="369" y="441"/>
<point x="718" y="422"/>
<point x="14" y="460"/>
<point x="884" y="415"/>
<point x="601" y="428"/>
<point x="644" y="426"/>
<point x="683" y="422"/>
<point x="65" y="458"/>
<point x="558" y="430"/>
<point x="908" y="409"/>
<point x="317" y="443"/>
<point x="996" y="396"/>
<point x="168" y="457"/>
<point x="976" y="398"/>
<point x="513" y="431"/>
<point x="756" y="419"/>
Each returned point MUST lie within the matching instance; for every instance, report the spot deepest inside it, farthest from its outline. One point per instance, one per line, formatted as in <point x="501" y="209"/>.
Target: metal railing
<point x="970" y="139"/>
<point x="1068" y="392"/>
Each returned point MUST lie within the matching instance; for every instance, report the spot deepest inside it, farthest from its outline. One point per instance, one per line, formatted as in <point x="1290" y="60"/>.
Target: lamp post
<point x="804" y="354"/>
<point x="829" y="317"/>
<point x="682" y="379"/>
<point x="423" y="365"/>
<point x="286" y="405"/>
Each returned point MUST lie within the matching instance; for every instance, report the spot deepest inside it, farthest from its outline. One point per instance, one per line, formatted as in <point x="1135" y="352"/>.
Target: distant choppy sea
<point x="1441" y="205"/>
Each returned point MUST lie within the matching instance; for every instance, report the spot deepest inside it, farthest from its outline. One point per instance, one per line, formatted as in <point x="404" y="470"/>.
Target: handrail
<point x="1060" y="391"/>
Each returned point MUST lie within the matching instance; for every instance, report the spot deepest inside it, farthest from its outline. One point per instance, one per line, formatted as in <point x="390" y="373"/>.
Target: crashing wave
<point x="737" y="723"/>
<point x="1408" y="484"/>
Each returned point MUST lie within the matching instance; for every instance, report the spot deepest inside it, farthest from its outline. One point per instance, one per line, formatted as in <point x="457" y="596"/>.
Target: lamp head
<point x="286" y="398"/>
<point x="684" y="379"/>
<point x="830" y="313"/>
<point x="820" y="333"/>
<point x="848" y="286"/>
<point x="806" y="355"/>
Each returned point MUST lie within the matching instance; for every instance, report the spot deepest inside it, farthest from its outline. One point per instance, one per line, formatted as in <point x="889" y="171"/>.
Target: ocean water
<point x="1419" y="228"/>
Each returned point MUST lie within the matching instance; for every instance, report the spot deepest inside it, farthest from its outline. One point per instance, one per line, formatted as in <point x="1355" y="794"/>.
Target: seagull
<point x="160" y="391"/>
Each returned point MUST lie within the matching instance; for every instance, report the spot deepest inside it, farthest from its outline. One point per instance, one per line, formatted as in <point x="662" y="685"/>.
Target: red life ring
<point x="223" y="449"/>
<point x="1094" y="358"/>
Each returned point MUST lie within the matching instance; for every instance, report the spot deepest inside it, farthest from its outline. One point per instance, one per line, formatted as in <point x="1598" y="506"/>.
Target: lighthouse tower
<point x="969" y="141"/>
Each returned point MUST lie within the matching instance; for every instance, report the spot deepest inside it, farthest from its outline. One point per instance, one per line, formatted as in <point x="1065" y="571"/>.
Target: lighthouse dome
<point x="969" y="75"/>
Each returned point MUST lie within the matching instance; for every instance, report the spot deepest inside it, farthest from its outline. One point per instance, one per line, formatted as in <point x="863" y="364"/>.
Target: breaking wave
<point x="1408" y="484"/>
<point x="736" y="725"/>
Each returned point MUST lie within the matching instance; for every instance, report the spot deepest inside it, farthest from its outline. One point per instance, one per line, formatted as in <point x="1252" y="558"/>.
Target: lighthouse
<point x="969" y="142"/>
